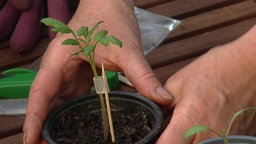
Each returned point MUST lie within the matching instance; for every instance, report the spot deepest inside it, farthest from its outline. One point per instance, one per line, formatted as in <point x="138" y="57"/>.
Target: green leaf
<point x="89" y="34"/>
<point x="194" y="130"/>
<point x="105" y="41"/>
<point x="100" y="35"/>
<point x="89" y="49"/>
<point x="61" y="29"/>
<point x="70" y="42"/>
<point x="57" y="25"/>
<point x="115" y="41"/>
<point x="82" y="31"/>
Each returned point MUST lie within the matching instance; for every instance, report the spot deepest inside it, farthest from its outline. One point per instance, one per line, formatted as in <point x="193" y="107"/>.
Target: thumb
<point x="173" y="133"/>
<point x="140" y="74"/>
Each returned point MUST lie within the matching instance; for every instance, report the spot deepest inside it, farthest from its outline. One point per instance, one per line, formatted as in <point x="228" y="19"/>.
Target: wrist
<point x="243" y="53"/>
<point x="246" y="50"/>
<point x="235" y="65"/>
<point x="90" y="12"/>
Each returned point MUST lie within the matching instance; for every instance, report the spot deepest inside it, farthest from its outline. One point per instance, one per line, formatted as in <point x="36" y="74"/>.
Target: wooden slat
<point x="10" y="59"/>
<point x="185" y="8"/>
<point x="14" y="139"/>
<point x="213" y="19"/>
<point x="194" y="46"/>
<point x="163" y="73"/>
<point x="149" y="3"/>
<point x="10" y="125"/>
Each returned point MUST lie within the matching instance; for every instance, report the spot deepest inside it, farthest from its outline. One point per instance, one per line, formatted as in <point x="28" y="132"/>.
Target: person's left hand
<point x="211" y="89"/>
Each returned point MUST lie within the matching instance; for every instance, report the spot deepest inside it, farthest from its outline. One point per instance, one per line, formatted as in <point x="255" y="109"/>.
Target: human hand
<point x="67" y="73"/>
<point x="20" y="20"/>
<point x="211" y="89"/>
<point x="119" y="20"/>
<point x="59" y="79"/>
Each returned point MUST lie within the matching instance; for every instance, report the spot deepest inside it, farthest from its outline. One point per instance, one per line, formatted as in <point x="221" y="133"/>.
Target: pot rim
<point x="155" y="109"/>
<point x="232" y="138"/>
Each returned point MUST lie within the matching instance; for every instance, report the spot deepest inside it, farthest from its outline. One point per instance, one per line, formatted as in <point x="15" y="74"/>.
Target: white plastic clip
<point x="99" y="85"/>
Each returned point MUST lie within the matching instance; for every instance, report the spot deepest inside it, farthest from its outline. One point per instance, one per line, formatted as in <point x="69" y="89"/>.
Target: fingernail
<point x="163" y="93"/>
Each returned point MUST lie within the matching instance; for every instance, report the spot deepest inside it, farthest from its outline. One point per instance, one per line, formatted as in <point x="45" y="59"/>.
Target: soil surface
<point x="84" y="125"/>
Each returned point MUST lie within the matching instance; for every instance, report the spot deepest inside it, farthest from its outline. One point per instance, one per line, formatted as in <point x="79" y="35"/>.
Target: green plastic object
<point x="113" y="81"/>
<point x="16" y="82"/>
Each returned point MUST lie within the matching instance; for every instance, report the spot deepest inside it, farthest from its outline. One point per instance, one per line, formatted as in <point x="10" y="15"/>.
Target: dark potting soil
<point x="84" y="126"/>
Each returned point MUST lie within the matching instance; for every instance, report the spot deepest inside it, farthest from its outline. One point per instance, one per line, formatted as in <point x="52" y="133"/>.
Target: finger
<point x="21" y="4"/>
<point x="41" y="95"/>
<point x="142" y="77"/>
<point x="176" y="128"/>
<point x="27" y="31"/>
<point x="58" y="9"/>
<point x="8" y="19"/>
<point x="179" y="120"/>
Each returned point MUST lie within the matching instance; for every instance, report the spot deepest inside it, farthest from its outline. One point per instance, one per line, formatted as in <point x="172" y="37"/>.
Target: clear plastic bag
<point x="154" y="28"/>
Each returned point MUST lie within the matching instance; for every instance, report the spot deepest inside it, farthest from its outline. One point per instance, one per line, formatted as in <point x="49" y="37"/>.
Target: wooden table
<point x="204" y="24"/>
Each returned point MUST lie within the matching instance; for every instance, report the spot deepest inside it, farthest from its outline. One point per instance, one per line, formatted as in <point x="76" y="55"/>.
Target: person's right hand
<point x="211" y="89"/>
<point x="61" y="78"/>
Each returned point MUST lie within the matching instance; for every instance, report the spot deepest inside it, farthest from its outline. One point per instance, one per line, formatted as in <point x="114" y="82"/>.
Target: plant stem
<point x="236" y="115"/>
<point x="102" y="102"/>
<point x="225" y="139"/>
<point x="93" y="66"/>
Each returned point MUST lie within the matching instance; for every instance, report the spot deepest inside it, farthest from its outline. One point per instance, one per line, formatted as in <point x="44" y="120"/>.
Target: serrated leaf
<point x="194" y="130"/>
<point x="115" y="41"/>
<point x="61" y="29"/>
<point x="88" y="50"/>
<point x="82" y="31"/>
<point x="89" y="34"/>
<point x="70" y="42"/>
<point x="105" y="41"/>
<point x="57" y="25"/>
<point x="100" y="35"/>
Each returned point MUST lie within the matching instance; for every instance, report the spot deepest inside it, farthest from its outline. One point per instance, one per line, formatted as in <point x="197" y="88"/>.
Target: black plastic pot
<point x="129" y="102"/>
<point x="233" y="139"/>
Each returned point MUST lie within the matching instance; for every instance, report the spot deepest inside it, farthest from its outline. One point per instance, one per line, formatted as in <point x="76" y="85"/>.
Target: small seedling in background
<point x="201" y="128"/>
<point x="87" y="41"/>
